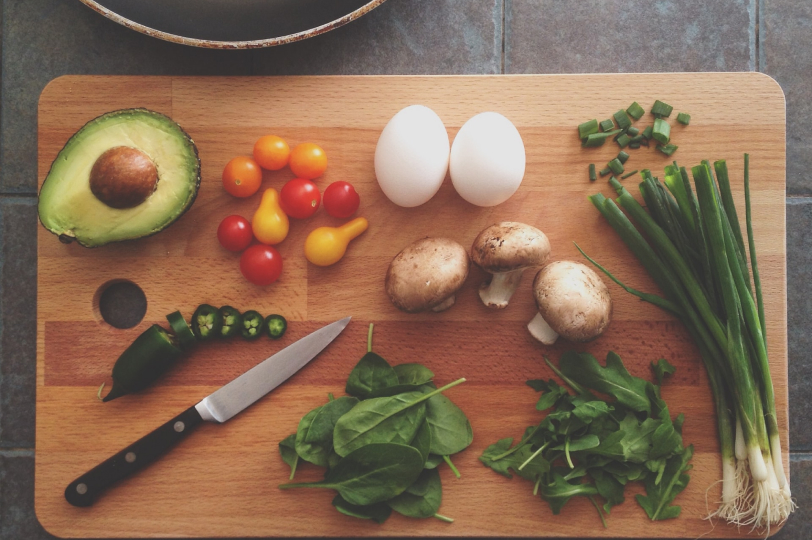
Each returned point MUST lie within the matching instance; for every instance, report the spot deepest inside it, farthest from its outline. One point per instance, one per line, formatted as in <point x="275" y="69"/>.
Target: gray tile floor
<point x="42" y="39"/>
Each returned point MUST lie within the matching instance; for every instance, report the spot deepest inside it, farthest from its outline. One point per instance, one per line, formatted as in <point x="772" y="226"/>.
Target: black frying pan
<point x="232" y="24"/>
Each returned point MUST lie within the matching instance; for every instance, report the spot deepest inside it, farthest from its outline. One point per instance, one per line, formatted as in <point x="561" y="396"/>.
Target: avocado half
<point x="100" y="155"/>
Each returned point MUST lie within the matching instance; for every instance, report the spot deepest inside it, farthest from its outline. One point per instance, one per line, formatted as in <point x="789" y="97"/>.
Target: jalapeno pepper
<point x="252" y="323"/>
<point x="232" y="322"/>
<point x="275" y="326"/>
<point x="206" y="322"/>
<point x="143" y="361"/>
<point x="183" y="334"/>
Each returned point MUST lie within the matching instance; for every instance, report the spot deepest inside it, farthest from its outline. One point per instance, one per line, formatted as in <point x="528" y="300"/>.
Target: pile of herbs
<point x="589" y="446"/>
<point x="690" y="242"/>
<point x="383" y="442"/>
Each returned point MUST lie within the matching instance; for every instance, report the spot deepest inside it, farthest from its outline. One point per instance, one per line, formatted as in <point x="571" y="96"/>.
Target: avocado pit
<point x="123" y="177"/>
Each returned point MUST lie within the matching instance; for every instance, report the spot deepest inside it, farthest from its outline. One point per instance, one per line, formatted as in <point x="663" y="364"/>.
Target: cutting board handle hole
<point x="120" y="303"/>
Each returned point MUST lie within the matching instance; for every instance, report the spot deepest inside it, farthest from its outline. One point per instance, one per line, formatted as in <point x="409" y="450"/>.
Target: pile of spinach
<point x="588" y="446"/>
<point x="382" y="443"/>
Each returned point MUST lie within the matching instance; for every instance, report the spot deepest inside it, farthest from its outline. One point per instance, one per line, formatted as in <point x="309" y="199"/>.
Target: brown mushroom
<point x="427" y="274"/>
<point x="506" y="250"/>
<point x="572" y="301"/>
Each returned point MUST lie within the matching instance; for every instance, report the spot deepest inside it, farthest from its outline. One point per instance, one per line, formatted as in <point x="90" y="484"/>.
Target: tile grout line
<point x="502" y="59"/>
<point x="756" y="33"/>
<point x="16" y="452"/>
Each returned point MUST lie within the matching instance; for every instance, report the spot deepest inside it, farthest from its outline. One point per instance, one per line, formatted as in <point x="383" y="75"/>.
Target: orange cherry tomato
<point x="308" y="160"/>
<point x="271" y="152"/>
<point x="242" y="176"/>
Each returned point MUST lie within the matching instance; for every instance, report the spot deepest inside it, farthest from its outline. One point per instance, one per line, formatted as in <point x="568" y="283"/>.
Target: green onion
<point x="616" y="166"/>
<point x="625" y="176"/>
<point x="622" y="119"/>
<point x="592" y="175"/>
<point x="597" y="139"/>
<point x="605" y="171"/>
<point x="638" y="139"/>
<point x="633" y="131"/>
<point x="634" y="145"/>
<point x="587" y="128"/>
<point x="635" y="111"/>
<point x="667" y="149"/>
<point x="648" y="133"/>
<point x="661" y="110"/>
<point x="684" y="118"/>
<point x="623" y="156"/>
<point x="607" y="125"/>
<point x="623" y="140"/>
<point x="661" y="131"/>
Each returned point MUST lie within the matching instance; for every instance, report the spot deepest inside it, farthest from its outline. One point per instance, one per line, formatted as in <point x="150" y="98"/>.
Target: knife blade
<point x="219" y="406"/>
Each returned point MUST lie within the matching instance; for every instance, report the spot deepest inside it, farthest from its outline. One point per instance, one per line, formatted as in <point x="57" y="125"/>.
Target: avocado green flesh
<point x="67" y="206"/>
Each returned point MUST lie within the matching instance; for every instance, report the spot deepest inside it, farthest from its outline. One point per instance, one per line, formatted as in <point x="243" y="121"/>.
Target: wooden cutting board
<point x="222" y="481"/>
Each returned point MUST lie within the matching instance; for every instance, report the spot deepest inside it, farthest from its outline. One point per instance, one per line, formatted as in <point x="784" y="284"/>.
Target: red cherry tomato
<point x="300" y="198"/>
<point x="341" y="200"/>
<point x="261" y="264"/>
<point x="234" y="233"/>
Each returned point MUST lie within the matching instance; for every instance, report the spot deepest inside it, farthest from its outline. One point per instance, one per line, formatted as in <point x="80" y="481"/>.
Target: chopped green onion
<point x="635" y="111"/>
<point x="661" y="110"/>
<point x="625" y="176"/>
<point x="624" y="140"/>
<point x="633" y="131"/>
<point x="605" y="171"/>
<point x="623" y="156"/>
<point x="662" y="131"/>
<point x="634" y="145"/>
<point x="607" y="125"/>
<point x="616" y="166"/>
<point x="667" y="149"/>
<point x="684" y="118"/>
<point x="622" y="119"/>
<point x="638" y="139"/>
<point x="597" y="139"/>
<point x="648" y="132"/>
<point x="587" y="128"/>
<point x="592" y="175"/>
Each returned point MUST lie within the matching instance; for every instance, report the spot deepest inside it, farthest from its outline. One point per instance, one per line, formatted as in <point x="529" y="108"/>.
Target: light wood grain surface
<point x="222" y="481"/>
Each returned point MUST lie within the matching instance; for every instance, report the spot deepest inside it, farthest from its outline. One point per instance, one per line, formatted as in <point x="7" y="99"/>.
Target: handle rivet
<point x="129" y="457"/>
<point x="179" y="426"/>
<point x="81" y="489"/>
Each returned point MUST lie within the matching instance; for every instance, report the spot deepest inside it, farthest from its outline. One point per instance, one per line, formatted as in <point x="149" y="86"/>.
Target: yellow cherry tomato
<point x="326" y="245"/>
<point x="270" y="224"/>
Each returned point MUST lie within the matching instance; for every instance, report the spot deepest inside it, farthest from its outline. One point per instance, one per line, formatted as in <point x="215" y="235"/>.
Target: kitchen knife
<point x="222" y="405"/>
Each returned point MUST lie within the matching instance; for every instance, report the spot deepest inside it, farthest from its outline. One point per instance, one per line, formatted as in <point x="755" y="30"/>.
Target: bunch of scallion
<point x="692" y="246"/>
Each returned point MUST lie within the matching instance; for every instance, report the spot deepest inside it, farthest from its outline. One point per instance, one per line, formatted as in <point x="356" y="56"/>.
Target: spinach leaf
<point x="371" y="474"/>
<point x="422" y="499"/>
<point x="661" y="369"/>
<point x="613" y="379"/>
<point x="434" y="461"/>
<point x="314" y="438"/>
<point x="287" y="448"/>
<point x="393" y="419"/>
<point x="659" y="496"/>
<point x="414" y="374"/>
<point x="422" y="440"/>
<point x="378" y="512"/>
<point x="370" y="374"/>
<point x="451" y="431"/>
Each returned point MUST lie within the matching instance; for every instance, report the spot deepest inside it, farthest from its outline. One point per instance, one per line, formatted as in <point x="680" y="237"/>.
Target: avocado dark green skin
<point x="67" y="239"/>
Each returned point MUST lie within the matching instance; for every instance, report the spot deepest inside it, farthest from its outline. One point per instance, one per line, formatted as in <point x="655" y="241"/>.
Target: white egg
<point x="411" y="158"/>
<point x="487" y="160"/>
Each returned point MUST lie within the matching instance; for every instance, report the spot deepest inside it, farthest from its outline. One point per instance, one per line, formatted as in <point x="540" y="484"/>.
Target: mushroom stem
<point x="542" y="331"/>
<point x="498" y="292"/>
<point x="445" y="304"/>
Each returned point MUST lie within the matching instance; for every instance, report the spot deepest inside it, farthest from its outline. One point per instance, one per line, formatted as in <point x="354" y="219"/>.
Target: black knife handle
<point x="84" y="490"/>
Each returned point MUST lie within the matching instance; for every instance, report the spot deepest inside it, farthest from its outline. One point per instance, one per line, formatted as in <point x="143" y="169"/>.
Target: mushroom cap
<point x="573" y="300"/>
<point x="508" y="246"/>
<point x="426" y="273"/>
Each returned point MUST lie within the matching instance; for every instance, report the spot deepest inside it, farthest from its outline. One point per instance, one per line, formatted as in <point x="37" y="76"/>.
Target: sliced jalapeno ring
<point x="206" y="322"/>
<point x="232" y="322"/>
<point x="180" y="328"/>
<point x="252" y="323"/>
<point x="275" y="326"/>
<point x="147" y="357"/>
